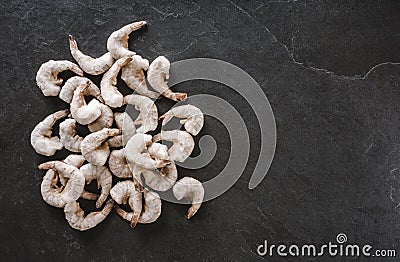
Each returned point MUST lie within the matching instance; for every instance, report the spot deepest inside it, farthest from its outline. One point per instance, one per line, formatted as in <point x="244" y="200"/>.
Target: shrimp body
<point x="84" y="113"/>
<point x="68" y="136"/>
<point x="112" y="97"/>
<point x="93" y="147"/>
<point x="47" y="79"/>
<point x="120" y="193"/>
<point x="126" y="124"/>
<point x="183" y="144"/>
<point x="76" y="216"/>
<point x="117" y="43"/>
<point x="133" y="76"/>
<point x="105" y="119"/>
<point x="93" y="66"/>
<point x="67" y="91"/>
<point x="104" y="180"/>
<point x="161" y="180"/>
<point x="192" y="190"/>
<point x="157" y="75"/>
<point x="148" y="116"/>
<point x="158" y="151"/>
<point x="41" y="139"/>
<point x="152" y="207"/>
<point x="193" y="118"/>
<point x="118" y="165"/>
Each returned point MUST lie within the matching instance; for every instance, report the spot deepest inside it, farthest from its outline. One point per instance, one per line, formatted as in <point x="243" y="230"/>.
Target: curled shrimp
<point x="60" y="196"/>
<point x="84" y="113"/>
<point x="152" y="207"/>
<point x="117" y="43"/>
<point x="183" y="144"/>
<point x="47" y="79"/>
<point x="103" y="177"/>
<point x="118" y="165"/>
<point x="126" y="124"/>
<point x="193" y="118"/>
<point x="133" y="76"/>
<point x="67" y="91"/>
<point x="105" y="119"/>
<point x="112" y="97"/>
<point x="41" y="139"/>
<point x="148" y="116"/>
<point x="93" y="66"/>
<point x="68" y="136"/>
<point x="161" y="180"/>
<point x="157" y="75"/>
<point x="76" y="216"/>
<point x="192" y="190"/>
<point x="120" y="193"/>
<point x="93" y="147"/>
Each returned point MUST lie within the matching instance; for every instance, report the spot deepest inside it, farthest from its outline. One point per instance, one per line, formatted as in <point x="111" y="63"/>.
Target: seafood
<point x="120" y="193"/>
<point x="112" y="97"/>
<point x="84" y="113"/>
<point x="148" y="116"/>
<point x="93" y="147"/>
<point x="47" y="79"/>
<point x="76" y="216"/>
<point x="68" y="89"/>
<point x="192" y="190"/>
<point x="118" y="165"/>
<point x="41" y="139"/>
<point x="158" y="151"/>
<point x="117" y="43"/>
<point x="105" y="119"/>
<point x="152" y="207"/>
<point x="157" y="74"/>
<point x="126" y="124"/>
<point x="182" y="146"/>
<point x="93" y="66"/>
<point x="193" y="118"/>
<point x="161" y="180"/>
<point x="68" y="136"/>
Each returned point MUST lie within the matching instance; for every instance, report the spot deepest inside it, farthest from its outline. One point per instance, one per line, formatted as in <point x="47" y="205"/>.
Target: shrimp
<point x="193" y="118"/>
<point x="68" y="136"/>
<point x="92" y="66"/>
<point x="106" y="119"/>
<point x="67" y="91"/>
<point x="133" y="76"/>
<point x="117" y="43"/>
<point x="152" y="207"/>
<point x="47" y="79"/>
<point x="112" y="97"/>
<point x="84" y="113"/>
<point x="120" y="193"/>
<point x="58" y="197"/>
<point x="192" y="190"/>
<point x="103" y="177"/>
<point x="41" y="139"/>
<point x="76" y="216"/>
<point x="74" y="160"/>
<point x="148" y="116"/>
<point x="118" y="165"/>
<point x="161" y="180"/>
<point x="158" y="151"/>
<point x="126" y="124"/>
<point x="93" y="147"/>
<point x="183" y="144"/>
<point x="157" y="75"/>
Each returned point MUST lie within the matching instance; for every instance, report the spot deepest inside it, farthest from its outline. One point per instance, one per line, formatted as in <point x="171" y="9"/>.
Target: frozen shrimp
<point x="118" y="165"/>
<point x="68" y="89"/>
<point x="112" y="97"/>
<point x="157" y="75"/>
<point x="47" y="79"/>
<point x="41" y="139"/>
<point x="161" y="180"/>
<point x="68" y="136"/>
<point x="133" y="76"/>
<point x="193" y="118"/>
<point x="103" y="177"/>
<point x="183" y="144"/>
<point x="152" y="207"/>
<point x="148" y="116"/>
<point x="126" y="124"/>
<point x="117" y="43"/>
<point x="120" y="193"/>
<point x="105" y="119"/>
<point x="84" y="113"/>
<point x="93" y="147"/>
<point x="76" y="216"/>
<point x="93" y="66"/>
<point x="192" y="190"/>
<point x="158" y="151"/>
<point x="75" y="160"/>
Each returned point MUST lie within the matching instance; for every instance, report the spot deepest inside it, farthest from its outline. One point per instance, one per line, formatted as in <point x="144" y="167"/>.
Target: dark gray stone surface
<point x="336" y="167"/>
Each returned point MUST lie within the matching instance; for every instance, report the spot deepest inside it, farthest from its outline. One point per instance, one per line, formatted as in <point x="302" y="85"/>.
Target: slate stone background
<point x="331" y="75"/>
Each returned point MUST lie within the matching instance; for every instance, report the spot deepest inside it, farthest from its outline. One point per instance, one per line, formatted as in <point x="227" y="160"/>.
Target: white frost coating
<point x="84" y="113"/>
<point x="68" y="136"/>
<point x="192" y="190"/>
<point x="183" y="144"/>
<point x="192" y="118"/>
<point x="148" y="116"/>
<point x="68" y="89"/>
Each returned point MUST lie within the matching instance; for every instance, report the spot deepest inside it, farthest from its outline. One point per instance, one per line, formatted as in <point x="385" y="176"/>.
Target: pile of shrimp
<point x="128" y="163"/>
